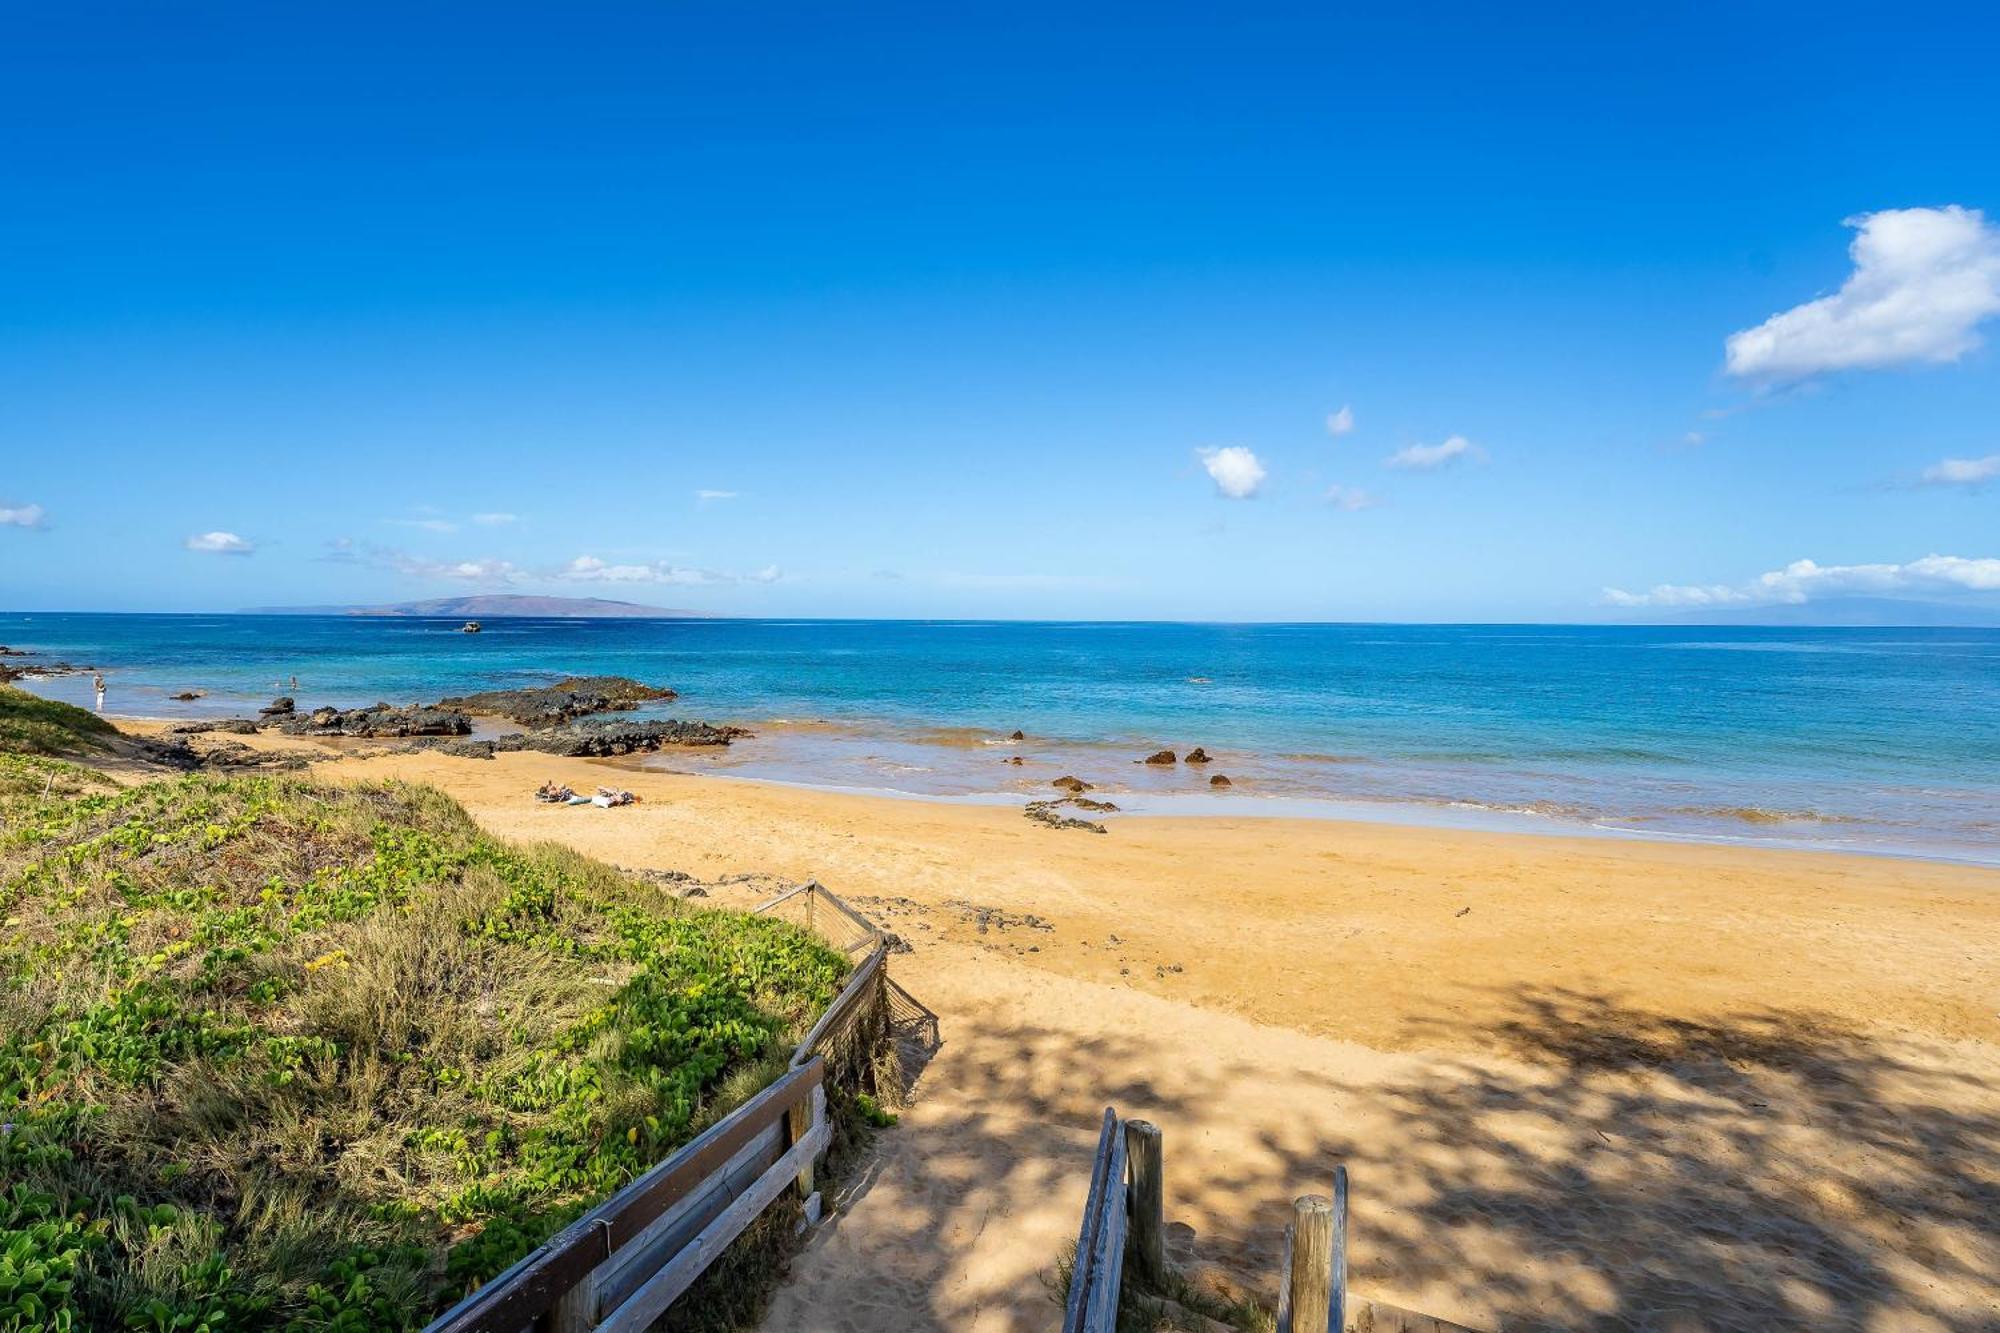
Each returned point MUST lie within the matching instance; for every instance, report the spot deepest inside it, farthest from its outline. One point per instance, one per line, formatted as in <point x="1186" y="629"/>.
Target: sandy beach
<point x="1577" y="1082"/>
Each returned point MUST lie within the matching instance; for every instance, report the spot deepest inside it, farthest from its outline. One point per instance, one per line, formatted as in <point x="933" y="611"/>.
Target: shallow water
<point x="1877" y="740"/>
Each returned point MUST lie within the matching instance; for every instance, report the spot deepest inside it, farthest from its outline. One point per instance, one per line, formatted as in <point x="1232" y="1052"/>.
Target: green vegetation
<point x="277" y="1055"/>
<point x="30" y="724"/>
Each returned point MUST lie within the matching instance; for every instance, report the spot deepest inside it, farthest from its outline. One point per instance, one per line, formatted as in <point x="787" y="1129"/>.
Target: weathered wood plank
<point x="1086" y="1236"/>
<point x="1336" y="1314"/>
<point x="674" y="1277"/>
<point x="532" y="1287"/>
<point x="1108" y="1259"/>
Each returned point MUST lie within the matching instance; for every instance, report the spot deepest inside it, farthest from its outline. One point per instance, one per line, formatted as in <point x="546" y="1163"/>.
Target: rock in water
<point x="281" y="706"/>
<point x="564" y="701"/>
<point x="1161" y="757"/>
<point x="1219" y="781"/>
<point x="1196" y="756"/>
<point x="1072" y="785"/>
<point x="1017" y="736"/>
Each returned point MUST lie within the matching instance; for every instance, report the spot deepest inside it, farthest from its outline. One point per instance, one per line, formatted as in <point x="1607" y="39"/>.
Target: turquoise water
<point x="1883" y="740"/>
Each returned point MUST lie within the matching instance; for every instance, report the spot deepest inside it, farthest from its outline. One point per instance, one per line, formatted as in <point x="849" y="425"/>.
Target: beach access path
<point x="1575" y="1081"/>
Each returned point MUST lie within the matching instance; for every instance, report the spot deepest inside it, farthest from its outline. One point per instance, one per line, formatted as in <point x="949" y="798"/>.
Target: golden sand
<point x="1577" y="1081"/>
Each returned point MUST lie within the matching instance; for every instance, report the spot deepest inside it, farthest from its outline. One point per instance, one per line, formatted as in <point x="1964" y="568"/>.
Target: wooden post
<point x="798" y="1125"/>
<point x="575" y="1311"/>
<point x="1311" y="1279"/>
<point x="1148" y="1200"/>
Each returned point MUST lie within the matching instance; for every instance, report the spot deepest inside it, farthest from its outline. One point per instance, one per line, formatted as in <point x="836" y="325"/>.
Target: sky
<point x="1164" y="312"/>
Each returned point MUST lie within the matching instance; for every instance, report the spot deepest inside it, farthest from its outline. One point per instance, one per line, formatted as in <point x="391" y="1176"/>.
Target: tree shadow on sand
<point x="1763" y="1171"/>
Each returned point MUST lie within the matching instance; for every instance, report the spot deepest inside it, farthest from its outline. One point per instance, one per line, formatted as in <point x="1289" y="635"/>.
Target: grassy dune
<point x="276" y="1055"/>
<point x="33" y="725"/>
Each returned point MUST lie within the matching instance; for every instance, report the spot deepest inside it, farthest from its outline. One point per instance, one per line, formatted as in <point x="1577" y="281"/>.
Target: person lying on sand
<point x="610" y="796"/>
<point x="551" y="793"/>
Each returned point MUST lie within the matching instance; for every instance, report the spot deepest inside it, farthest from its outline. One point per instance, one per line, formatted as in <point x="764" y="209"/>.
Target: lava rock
<point x="1161" y="757"/>
<point x="1072" y="785"/>
<point x="607" y="737"/>
<point x="283" y="705"/>
<point x="565" y="701"/>
<point x="1018" y="735"/>
<point x="378" y="720"/>
<point x="1050" y="813"/>
<point x="1219" y="781"/>
<point x="1196" y="756"/>
<point x="235" y="726"/>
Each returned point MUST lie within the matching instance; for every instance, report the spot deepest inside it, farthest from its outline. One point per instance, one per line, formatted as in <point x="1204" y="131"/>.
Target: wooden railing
<point x="619" y="1266"/>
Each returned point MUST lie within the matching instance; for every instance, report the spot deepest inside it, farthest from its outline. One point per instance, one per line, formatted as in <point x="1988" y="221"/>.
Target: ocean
<point x="1884" y="740"/>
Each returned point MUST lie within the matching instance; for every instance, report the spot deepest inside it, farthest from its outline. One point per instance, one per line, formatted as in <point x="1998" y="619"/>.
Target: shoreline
<point x="1235" y="804"/>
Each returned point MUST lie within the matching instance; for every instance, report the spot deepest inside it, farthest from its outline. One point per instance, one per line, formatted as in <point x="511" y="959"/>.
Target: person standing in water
<point x="97" y="679"/>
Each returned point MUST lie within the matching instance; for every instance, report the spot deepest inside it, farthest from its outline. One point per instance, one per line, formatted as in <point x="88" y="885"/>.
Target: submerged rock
<point x="1018" y="735"/>
<point x="188" y="696"/>
<point x="1161" y="757"/>
<point x="1050" y="813"/>
<point x="564" y="701"/>
<point x="1196" y="756"/>
<point x="1219" y="781"/>
<point x="1072" y="785"/>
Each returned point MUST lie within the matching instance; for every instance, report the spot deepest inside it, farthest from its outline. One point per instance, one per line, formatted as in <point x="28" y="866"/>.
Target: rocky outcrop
<point x="282" y="706"/>
<point x="564" y="701"/>
<point x="1196" y="756"/>
<point x="378" y="721"/>
<point x="1161" y="757"/>
<point x="188" y="696"/>
<point x="235" y="726"/>
<point x="602" y="738"/>
<point x="1018" y="735"/>
<point x="1072" y="785"/>
<point x="1050" y="813"/>
<point x="1219" y="781"/>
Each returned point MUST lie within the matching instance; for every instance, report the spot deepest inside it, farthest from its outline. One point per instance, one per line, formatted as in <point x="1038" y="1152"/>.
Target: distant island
<point x="498" y="606"/>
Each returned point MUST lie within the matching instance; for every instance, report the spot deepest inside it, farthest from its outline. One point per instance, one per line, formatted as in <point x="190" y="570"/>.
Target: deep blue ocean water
<point x="1869" y="739"/>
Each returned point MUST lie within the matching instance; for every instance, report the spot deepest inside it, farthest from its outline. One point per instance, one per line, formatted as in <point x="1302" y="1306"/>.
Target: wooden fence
<point x="619" y="1266"/>
<point x="1124" y="1222"/>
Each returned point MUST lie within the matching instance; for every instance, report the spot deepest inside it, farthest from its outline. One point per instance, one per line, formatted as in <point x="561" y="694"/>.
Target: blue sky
<point x="954" y="310"/>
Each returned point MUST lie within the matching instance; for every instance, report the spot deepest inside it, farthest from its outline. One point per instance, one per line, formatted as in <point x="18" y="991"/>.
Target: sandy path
<point x="1634" y="1085"/>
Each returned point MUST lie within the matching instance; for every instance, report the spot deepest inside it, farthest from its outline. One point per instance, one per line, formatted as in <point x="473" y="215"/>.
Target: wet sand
<point x="1578" y="1082"/>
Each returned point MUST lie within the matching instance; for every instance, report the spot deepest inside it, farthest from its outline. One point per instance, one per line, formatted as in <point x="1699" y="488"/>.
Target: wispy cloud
<point x="1967" y="473"/>
<point x="1234" y="469"/>
<point x="423" y="524"/>
<point x="494" y="520"/>
<point x="1805" y="580"/>
<point x="590" y="569"/>
<point x="1341" y="422"/>
<point x="1431" y="457"/>
<point x="219" y="543"/>
<point x="709" y="497"/>
<point x="1923" y="281"/>
<point x="1351" y="499"/>
<point x="22" y="516"/>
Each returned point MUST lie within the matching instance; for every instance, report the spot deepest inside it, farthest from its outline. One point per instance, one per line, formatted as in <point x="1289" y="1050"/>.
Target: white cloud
<point x="706" y="496"/>
<point x="1694" y="439"/>
<point x="493" y="520"/>
<point x="1431" y="457"/>
<point x="1235" y="471"/>
<point x="424" y="524"/>
<point x="21" y="516"/>
<point x="1971" y="473"/>
<point x="1923" y="280"/>
<point x="1804" y="580"/>
<point x="590" y="569"/>
<point x="219" y="543"/>
<point x="1352" y="499"/>
<point x="1340" y="422"/>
